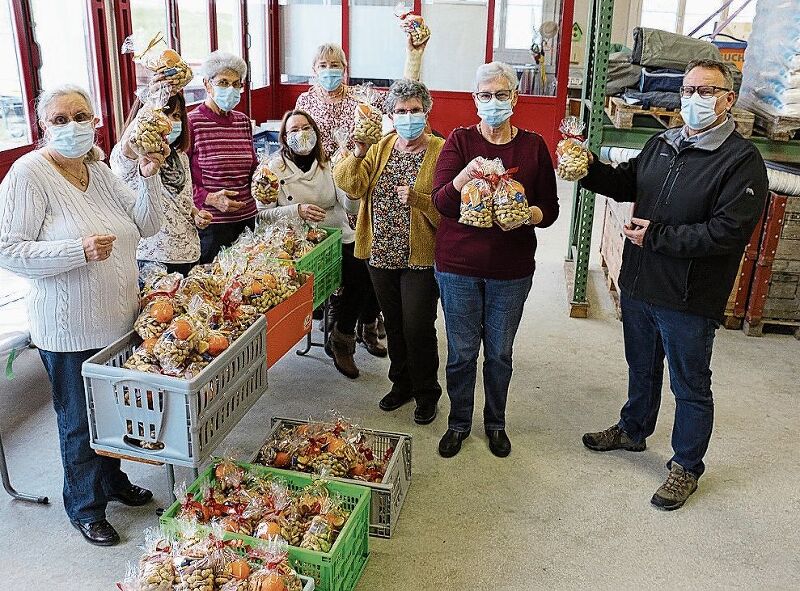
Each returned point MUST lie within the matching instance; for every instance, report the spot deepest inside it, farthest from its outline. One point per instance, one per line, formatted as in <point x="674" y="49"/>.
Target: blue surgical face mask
<point x="409" y="126"/>
<point x="698" y="112"/>
<point x="495" y="112"/>
<point x="226" y="98"/>
<point x="73" y="139"/>
<point x="330" y="78"/>
<point x="177" y="127"/>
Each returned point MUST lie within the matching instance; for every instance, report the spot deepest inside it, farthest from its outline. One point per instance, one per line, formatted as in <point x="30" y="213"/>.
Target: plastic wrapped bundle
<point x="771" y="75"/>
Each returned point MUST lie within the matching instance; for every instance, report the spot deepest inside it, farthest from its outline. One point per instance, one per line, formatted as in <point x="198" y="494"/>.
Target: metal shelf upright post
<point x="598" y="43"/>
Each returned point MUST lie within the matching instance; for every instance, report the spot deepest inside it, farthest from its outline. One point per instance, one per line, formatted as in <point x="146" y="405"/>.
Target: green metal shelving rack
<point x="600" y="132"/>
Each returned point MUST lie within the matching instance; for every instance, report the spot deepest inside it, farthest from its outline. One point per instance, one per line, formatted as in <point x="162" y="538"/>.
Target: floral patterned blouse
<point x="332" y="116"/>
<point x="177" y="241"/>
<point x="391" y="219"/>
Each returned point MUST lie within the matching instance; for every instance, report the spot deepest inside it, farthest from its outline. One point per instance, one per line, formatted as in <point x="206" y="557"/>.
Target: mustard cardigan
<point x="359" y="176"/>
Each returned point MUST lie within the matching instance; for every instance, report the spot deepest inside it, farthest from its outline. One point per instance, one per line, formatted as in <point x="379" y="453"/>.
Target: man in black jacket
<point x="698" y="192"/>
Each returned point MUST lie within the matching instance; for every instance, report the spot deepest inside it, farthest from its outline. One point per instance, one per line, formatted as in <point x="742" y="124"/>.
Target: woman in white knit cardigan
<point x="71" y="226"/>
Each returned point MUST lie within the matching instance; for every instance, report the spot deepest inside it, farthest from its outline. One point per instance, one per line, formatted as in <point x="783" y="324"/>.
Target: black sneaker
<point x="394" y="400"/>
<point x="425" y="413"/>
<point x="450" y="443"/>
<point x="98" y="533"/>
<point x="611" y="439"/>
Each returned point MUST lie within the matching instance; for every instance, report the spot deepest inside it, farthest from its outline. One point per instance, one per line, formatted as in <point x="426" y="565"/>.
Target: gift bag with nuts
<point x="368" y="120"/>
<point x="184" y="336"/>
<point x="413" y="24"/>
<point x="476" y="195"/>
<point x="573" y="159"/>
<point x="341" y="135"/>
<point x="511" y="209"/>
<point x="265" y="186"/>
<point x="161" y="60"/>
<point x="156" y="569"/>
<point x="151" y="128"/>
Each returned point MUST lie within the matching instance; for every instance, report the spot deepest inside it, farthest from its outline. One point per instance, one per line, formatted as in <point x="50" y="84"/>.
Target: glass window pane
<point x="14" y="127"/>
<point x="461" y="47"/>
<point x="229" y="26"/>
<point x="660" y="14"/>
<point x="527" y="37"/>
<point x="377" y="43"/>
<point x="698" y="11"/>
<point x="65" y="41"/>
<point x="257" y="26"/>
<point x="148" y="18"/>
<point x="195" y="43"/>
<point x="300" y="39"/>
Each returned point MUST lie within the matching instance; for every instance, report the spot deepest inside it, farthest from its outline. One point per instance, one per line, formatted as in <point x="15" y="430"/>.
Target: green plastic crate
<point x="337" y="570"/>
<point x="327" y="282"/>
<point x="325" y="262"/>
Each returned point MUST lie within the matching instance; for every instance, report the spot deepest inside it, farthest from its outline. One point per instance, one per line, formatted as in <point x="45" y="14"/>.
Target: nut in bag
<point x="573" y="159"/>
<point x="161" y="60"/>
<point x="511" y="209"/>
<point x="413" y="25"/>
<point x="185" y="336"/>
<point x="476" y="195"/>
<point x="152" y="126"/>
<point x="265" y="185"/>
<point x="368" y="120"/>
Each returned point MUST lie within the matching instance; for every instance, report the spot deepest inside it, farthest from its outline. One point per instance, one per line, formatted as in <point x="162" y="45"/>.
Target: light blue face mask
<point x="226" y="98"/>
<point x="495" y="112"/>
<point x="177" y="128"/>
<point x="409" y="126"/>
<point x="698" y="112"/>
<point x="330" y="78"/>
<point x="73" y="139"/>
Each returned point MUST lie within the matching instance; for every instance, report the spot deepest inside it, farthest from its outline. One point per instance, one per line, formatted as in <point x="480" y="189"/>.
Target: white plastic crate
<point x="387" y="496"/>
<point x="186" y="419"/>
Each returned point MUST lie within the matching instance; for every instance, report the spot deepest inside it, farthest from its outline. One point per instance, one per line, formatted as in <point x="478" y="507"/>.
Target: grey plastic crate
<point x="188" y="417"/>
<point x="387" y="496"/>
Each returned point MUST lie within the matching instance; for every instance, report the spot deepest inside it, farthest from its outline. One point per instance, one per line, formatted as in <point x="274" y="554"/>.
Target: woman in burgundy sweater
<point x="222" y="155"/>
<point x="485" y="274"/>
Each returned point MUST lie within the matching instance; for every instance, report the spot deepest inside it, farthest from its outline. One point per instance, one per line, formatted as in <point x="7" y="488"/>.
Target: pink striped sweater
<point x="222" y="157"/>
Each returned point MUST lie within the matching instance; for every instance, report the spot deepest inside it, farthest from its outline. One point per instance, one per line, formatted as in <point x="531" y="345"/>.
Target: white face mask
<point x="301" y="142"/>
<point x="698" y="112"/>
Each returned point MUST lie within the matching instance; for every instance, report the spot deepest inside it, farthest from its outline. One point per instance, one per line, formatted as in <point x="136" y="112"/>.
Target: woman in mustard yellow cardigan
<point x="395" y="235"/>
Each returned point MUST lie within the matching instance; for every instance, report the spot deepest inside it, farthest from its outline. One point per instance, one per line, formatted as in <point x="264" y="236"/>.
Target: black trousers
<point x="356" y="294"/>
<point x="408" y="299"/>
<point x="213" y="238"/>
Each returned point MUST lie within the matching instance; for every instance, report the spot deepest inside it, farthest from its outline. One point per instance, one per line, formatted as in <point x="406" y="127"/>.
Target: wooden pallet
<point x="770" y="325"/>
<point x="613" y="288"/>
<point x="745" y="121"/>
<point x="778" y="128"/>
<point x="622" y="114"/>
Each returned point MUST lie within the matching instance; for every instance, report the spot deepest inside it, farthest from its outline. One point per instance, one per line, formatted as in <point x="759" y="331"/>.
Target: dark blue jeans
<point x="651" y="333"/>
<point x="88" y="477"/>
<point x="479" y="311"/>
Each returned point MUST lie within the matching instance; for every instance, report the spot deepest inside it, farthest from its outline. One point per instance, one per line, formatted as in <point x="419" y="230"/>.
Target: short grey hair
<point x="404" y="90"/>
<point x="495" y="70"/>
<point x="47" y="97"/>
<point x="329" y="49"/>
<point x="717" y="65"/>
<point x="219" y="61"/>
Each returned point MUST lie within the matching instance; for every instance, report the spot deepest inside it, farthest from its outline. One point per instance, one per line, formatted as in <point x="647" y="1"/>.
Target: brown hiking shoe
<point x="611" y="439"/>
<point x="342" y="347"/>
<point x="367" y="334"/>
<point x="673" y="493"/>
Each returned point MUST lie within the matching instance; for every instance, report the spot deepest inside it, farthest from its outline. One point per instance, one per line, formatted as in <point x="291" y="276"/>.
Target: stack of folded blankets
<point x="771" y="78"/>
<point x="651" y="75"/>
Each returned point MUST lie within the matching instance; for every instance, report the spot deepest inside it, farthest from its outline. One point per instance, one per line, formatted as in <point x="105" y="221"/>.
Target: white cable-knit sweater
<point x="74" y="305"/>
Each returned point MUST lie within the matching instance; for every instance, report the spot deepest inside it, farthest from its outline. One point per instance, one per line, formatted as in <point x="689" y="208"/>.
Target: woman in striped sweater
<point x="222" y="155"/>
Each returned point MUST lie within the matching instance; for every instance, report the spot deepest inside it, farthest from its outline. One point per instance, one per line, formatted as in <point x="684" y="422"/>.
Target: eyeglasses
<point x="500" y="95"/>
<point x="78" y="118"/>
<point x="414" y="111"/>
<point x="225" y="84"/>
<point x="703" y="91"/>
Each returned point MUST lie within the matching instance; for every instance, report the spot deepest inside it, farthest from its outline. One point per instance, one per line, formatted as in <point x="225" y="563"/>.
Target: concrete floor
<point x="551" y="516"/>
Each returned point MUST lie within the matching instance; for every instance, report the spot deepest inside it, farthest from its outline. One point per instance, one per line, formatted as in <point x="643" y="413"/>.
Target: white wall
<point x="303" y="28"/>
